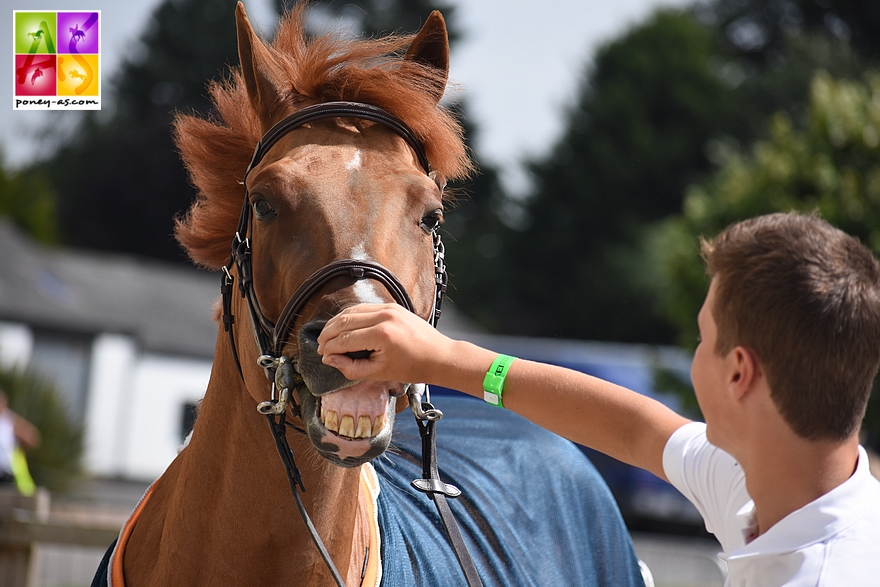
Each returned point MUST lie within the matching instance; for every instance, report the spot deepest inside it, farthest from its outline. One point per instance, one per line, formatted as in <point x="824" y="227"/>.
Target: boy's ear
<point x="745" y="371"/>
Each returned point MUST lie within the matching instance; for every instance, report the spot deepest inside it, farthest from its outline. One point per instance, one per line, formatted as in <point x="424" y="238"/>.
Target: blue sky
<point x="519" y="65"/>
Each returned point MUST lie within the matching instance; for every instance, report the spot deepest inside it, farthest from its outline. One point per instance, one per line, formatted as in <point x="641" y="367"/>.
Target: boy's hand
<point x="404" y="347"/>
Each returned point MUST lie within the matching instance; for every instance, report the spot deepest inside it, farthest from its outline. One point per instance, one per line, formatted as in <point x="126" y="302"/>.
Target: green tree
<point x="475" y="238"/>
<point x="768" y="51"/>
<point x="648" y="103"/>
<point x="381" y="17"/>
<point x="760" y="29"/>
<point x="829" y="163"/>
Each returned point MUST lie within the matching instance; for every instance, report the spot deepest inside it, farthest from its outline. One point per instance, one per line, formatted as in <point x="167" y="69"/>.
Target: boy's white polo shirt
<point x="833" y="541"/>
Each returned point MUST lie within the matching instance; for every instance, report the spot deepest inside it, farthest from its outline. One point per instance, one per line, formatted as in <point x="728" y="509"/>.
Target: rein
<point x="271" y="337"/>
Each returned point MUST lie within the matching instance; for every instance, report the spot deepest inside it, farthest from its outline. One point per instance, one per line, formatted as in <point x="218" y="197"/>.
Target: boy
<point x="790" y="344"/>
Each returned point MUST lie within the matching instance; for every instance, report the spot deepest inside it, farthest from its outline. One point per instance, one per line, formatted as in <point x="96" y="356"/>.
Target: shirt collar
<point x="817" y="521"/>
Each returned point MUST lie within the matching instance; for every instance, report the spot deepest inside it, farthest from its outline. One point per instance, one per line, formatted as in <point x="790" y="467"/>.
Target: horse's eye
<point x="431" y="221"/>
<point x="263" y="210"/>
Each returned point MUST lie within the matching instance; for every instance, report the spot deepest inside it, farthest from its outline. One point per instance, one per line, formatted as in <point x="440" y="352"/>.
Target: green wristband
<point x="493" y="383"/>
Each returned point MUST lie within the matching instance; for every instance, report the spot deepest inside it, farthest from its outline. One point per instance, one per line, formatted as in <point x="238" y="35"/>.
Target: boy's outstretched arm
<point x="611" y="419"/>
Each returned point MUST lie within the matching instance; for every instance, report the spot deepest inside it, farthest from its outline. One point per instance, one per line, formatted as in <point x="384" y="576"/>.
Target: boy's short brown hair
<point x="805" y="298"/>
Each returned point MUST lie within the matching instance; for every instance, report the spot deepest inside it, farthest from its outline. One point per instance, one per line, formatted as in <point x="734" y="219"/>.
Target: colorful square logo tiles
<point x="57" y="60"/>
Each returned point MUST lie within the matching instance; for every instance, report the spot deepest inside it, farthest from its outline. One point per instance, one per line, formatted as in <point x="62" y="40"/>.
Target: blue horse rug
<point x="534" y="512"/>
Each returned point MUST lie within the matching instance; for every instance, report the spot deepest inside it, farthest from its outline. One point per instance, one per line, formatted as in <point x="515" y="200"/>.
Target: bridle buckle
<point x="414" y="393"/>
<point x="285" y="378"/>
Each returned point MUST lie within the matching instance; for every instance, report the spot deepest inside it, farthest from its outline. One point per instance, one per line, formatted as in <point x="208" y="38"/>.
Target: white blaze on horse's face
<point x="355" y="162"/>
<point x="365" y="289"/>
<point x="365" y="292"/>
<point x="359" y="252"/>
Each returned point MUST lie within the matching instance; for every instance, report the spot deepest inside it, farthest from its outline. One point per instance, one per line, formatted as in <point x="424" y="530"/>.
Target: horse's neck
<point x="223" y="513"/>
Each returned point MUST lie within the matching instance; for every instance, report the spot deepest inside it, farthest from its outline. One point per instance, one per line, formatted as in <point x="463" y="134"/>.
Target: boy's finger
<point x="340" y="362"/>
<point x="352" y="318"/>
<point x="347" y="341"/>
<point x="345" y="365"/>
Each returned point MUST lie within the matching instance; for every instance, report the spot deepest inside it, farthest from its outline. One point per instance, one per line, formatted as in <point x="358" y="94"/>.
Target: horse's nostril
<point x="359" y="354"/>
<point x="308" y="336"/>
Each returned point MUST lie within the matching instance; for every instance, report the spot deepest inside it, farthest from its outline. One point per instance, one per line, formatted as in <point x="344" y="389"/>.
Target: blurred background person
<point x="17" y="435"/>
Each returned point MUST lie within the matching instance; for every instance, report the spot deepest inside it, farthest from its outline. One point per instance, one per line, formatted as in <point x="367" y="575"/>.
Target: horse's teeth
<point x="346" y="426"/>
<point x="331" y="420"/>
<point x="378" y="424"/>
<point x="365" y="426"/>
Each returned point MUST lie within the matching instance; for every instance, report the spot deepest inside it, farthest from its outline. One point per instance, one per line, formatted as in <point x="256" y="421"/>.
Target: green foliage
<point x="475" y="238"/>
<point x="830" y="164"/>
<point x="29" y="201"/>
<point x="57" y="463"/>
<point x="871" y="423"/>
<point x="784" y="84"/>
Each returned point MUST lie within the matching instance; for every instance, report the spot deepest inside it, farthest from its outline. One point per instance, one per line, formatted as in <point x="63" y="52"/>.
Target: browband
<point x="336" y="110"/>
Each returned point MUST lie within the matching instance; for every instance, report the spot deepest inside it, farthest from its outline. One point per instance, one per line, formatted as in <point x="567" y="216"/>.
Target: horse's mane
<point x="217" y="150"/>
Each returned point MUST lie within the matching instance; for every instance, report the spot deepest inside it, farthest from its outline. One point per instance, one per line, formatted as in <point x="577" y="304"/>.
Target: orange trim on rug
<point x="117" y="578"/>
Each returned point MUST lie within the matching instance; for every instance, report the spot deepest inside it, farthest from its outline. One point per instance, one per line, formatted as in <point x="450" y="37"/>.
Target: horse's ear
<point x="431" y="47"/>
<point x="258" y="70"/>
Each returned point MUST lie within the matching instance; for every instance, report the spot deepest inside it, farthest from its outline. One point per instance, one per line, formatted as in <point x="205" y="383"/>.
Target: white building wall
<point x="152" y="410"/>
<point x="113" y="363"/>
<point x="16" y="345"/>
<point x="135" y="401"/>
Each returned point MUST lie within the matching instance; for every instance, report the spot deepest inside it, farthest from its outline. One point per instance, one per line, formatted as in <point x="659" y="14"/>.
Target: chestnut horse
<point x="367" y="187"/>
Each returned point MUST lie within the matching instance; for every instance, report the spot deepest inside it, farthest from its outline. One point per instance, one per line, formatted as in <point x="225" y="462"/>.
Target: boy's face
<point x="708" y="370"/>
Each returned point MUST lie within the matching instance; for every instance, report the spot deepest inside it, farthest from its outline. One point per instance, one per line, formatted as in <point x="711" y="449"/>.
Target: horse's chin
<point x="350" y="426"/>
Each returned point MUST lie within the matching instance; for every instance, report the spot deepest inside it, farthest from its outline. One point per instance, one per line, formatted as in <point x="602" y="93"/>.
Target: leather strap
<point x="338" y="110"/>
<point x="294" y="477"/>
<point x="350" y="267"/>
<point x="438" y="491"/>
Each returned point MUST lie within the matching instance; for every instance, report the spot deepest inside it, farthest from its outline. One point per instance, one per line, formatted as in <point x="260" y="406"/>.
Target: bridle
<point x="272" y="336"/>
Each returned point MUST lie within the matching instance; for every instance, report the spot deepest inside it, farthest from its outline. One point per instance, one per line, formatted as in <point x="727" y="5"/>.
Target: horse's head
<point x="330" y="187"/>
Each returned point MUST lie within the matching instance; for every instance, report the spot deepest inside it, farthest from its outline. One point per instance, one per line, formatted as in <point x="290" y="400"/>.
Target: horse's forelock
<point x="326" y="68"/>
<point x="216" y="154"/>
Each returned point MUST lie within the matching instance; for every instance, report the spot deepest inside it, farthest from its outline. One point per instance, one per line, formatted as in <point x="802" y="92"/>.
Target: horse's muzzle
<point x="318" y="377"/>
